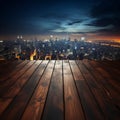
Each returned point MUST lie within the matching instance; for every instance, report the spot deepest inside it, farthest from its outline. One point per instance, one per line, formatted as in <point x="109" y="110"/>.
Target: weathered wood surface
<point x="59" y="90"/>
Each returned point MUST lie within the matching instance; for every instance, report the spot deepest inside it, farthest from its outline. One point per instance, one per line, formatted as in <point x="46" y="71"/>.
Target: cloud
<point x="75" y="22"/>
<point x="106" y="8"/>
<point x="106" y="13"/>
<point x="105" y="21"/>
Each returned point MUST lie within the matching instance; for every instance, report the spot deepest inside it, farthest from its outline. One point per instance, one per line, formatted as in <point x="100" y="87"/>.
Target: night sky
<point x="95" y="19"/>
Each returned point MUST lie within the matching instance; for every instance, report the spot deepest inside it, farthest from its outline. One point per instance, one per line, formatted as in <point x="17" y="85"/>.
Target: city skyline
<point x="94" y="19"/>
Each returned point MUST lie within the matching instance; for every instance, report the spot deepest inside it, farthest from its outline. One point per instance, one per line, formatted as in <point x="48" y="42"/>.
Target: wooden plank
<point x="35" y="107"/>
<point x="11" y="73"/>
<point x="90" y="107"/>
<point x="110" y="68"/>
<point x="113" y="64"/>
<point x="54" y="108"/>
<point x="9" y="62"/>
<point x="108" y="110"/>
<point x="73" y="108"/>
<point x="13" y="79"/>
<point x="14" y="111"/>
<point x="115" y="84"/>
<point x="4" y="62"/>
<point x="111" y="93"/>
<point x="14" y="90"/>
<point x="6" y="68"/>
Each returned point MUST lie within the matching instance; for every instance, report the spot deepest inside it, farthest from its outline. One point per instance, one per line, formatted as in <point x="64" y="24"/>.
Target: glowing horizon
<point x="90" y="37"/>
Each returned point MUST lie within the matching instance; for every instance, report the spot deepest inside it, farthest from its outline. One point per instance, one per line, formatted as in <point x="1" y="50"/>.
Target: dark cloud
<point x="106" y="21"/>
<point x="106" y="8"/>
<point x="44" y="16"/>
<point x="106" y="13"/>
<point x="75" y="22"/>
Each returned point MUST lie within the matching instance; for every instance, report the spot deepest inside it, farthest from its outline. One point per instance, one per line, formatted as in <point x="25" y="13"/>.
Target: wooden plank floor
<point x="59" y="90"/>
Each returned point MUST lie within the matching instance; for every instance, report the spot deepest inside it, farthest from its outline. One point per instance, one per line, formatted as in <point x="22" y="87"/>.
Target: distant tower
<point x="56" y="39"/>
<point x="67" y="36"/>
<point x="83" y="39"/>
<point x="21" y="37"/>
<point x="51" y="37"/>
<point x="18" y="37"/>
<point x="69" y="39"/>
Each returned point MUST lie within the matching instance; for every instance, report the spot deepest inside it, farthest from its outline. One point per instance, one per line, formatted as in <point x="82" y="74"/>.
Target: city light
<point x="82" y="38"/>
<point x="61" y="49"/>
<point x="33" y="55"/>
<point x="51" y="36"/>
<point x="1" y="41"/>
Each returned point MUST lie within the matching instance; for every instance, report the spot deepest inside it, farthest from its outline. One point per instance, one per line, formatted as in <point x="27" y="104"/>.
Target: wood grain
<point x="59" y="90"/>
